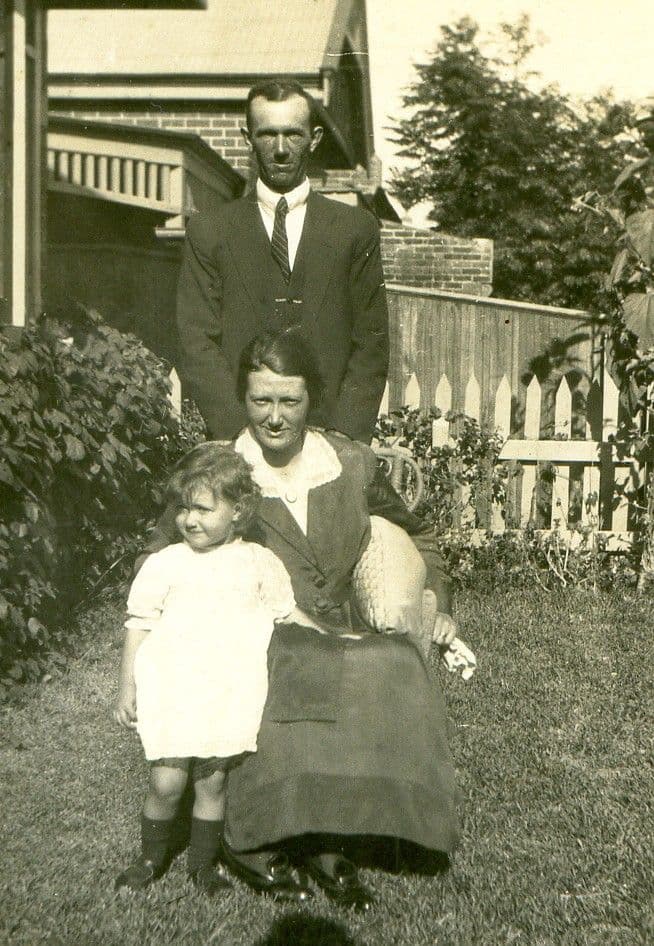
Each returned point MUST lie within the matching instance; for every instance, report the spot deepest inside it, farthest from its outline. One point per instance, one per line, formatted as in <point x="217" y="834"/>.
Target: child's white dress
<point x="201" y="673"/>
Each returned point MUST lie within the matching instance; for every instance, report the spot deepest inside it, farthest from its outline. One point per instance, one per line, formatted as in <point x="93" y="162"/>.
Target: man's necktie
<point x="279" y="241"/>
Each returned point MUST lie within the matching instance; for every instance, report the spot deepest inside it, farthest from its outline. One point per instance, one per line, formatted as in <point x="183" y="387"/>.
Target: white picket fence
<point x="599" y="473"/>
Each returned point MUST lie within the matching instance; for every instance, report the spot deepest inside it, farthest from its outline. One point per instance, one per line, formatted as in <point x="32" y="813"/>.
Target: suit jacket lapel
<point x="274" y="513"/>
<point x="250" y="248"/>
<point x="315" y="255"/>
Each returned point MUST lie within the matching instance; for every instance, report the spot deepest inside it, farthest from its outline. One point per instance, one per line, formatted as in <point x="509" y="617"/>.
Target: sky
<point x="590" y="45"/>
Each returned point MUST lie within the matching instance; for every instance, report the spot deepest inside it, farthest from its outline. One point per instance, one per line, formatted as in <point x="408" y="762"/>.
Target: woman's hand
<point x="403" y="619"/>
<point x="124" y="709"/>
<point x="445" y="629"/>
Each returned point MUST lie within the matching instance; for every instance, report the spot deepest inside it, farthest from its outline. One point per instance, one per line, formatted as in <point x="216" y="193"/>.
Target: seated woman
<point x="353" y="737"/>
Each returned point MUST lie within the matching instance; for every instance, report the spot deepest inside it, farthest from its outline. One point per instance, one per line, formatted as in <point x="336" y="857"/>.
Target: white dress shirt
<point x="297" y="209"/>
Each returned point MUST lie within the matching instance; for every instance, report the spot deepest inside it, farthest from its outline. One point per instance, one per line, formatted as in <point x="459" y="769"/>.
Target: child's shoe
<point x="210" y="879"/>
<point x="139" y="875"/>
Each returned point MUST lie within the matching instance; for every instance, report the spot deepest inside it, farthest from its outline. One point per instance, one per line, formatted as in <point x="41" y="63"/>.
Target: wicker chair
<point x="404" y="474"/>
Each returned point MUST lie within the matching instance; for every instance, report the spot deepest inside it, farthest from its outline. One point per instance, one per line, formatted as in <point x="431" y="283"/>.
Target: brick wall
<point x="425" y="259"/>
<point x="220" y="128"/>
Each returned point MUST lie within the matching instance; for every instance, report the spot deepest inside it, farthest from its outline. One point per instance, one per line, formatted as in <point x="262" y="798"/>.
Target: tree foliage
<point x="500" y="160"/>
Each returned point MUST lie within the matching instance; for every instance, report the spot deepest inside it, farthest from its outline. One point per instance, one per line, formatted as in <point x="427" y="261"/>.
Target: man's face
<point x="281" y="138"/>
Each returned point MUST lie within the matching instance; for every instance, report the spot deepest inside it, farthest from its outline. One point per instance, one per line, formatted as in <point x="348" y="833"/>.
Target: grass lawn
<point x="553" y="741"/>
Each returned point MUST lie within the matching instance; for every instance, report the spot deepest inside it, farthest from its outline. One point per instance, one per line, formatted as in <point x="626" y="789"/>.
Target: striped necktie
<point x="279" y="240"/>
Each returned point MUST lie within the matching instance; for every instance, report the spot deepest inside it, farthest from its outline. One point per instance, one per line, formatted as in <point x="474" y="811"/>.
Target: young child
<point x="193" y="677"/>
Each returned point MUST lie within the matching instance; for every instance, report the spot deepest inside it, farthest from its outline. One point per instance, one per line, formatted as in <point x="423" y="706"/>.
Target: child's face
<point x="207" y="521"/>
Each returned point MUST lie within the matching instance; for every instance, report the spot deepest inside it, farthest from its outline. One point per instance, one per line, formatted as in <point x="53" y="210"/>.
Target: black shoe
<point x="275" y="879"/>
<point x="210" y="879"/>
<point x="139" y="875"/>
<point x="341" y="884"/>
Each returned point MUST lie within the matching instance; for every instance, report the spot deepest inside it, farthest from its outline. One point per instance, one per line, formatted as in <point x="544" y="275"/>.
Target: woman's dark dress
<point x="353" y="739"/>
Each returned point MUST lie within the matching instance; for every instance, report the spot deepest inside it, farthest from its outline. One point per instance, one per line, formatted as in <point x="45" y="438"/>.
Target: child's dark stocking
<point x="205" y="843"/>
<point x="156" y="837"/>
<point x="207" y="875"/>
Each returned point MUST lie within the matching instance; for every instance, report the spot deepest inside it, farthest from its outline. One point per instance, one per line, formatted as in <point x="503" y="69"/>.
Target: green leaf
<point x="6" y="476"/>
<point x="630" y="170"/>
<point x="35" y="627"/>
<point x="74" y="447"/>
<point x="32" y="511"/>
<point x="618" y="268"/>
<point x="108" y="452"/>
<point x="638" y="310"/>
<point x="640" y="228"/>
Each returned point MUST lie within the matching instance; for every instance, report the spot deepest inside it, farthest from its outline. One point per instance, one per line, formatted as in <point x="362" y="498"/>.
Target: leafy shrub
<point x="469" y="460"/>
<point x="88" y="434"/>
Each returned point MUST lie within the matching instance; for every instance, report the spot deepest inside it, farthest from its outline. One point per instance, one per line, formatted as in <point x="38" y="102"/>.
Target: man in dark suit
<point x="279" y="256"/>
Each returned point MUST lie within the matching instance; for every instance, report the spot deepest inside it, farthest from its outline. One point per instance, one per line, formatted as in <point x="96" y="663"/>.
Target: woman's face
<point x="277" y="406"/>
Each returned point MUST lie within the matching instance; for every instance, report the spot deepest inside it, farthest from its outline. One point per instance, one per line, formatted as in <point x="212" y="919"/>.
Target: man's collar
<point x="294" y="198"/>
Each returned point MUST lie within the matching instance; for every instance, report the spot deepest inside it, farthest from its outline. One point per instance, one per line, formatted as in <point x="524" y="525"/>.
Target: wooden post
<point x="22" y="160"/>
<point x="5" y="167"/>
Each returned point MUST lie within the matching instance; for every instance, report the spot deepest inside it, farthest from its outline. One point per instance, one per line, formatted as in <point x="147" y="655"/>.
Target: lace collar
<point x="320" y="464"/>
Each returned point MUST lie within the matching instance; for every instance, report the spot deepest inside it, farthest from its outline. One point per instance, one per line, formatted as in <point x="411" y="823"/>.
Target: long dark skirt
<point x="353" y="741"/>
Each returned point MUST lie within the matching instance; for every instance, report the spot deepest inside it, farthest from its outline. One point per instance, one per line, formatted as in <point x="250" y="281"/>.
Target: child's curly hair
<point x="218" y="468"/>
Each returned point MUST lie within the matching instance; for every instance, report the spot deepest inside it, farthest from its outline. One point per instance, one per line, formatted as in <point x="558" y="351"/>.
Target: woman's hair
<point x="285" y="352"/>
<point x="218" y="468"/>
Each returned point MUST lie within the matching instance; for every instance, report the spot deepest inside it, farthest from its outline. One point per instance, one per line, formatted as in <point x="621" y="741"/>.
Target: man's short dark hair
<point x="279" y="90"/>
<point x="286" y="352"/>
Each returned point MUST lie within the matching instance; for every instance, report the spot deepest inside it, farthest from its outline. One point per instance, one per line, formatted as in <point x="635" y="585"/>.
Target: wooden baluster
<point x="89" y="170"/>
<point x="128" y="177"/>
<point x="103" y="172"/>
<point x="153" y="177"/>
<point x="63" y="164"/>
<point x="76" y="168"/>
<point x="164" y="185"/>
<point x="140" y="179"/>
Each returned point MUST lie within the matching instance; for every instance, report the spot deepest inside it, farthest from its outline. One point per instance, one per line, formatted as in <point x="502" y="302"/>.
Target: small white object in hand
<point x="458" y="658"/>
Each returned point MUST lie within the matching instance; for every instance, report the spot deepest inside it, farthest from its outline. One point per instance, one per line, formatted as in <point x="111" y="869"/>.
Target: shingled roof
<point x="244" y="38"/>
